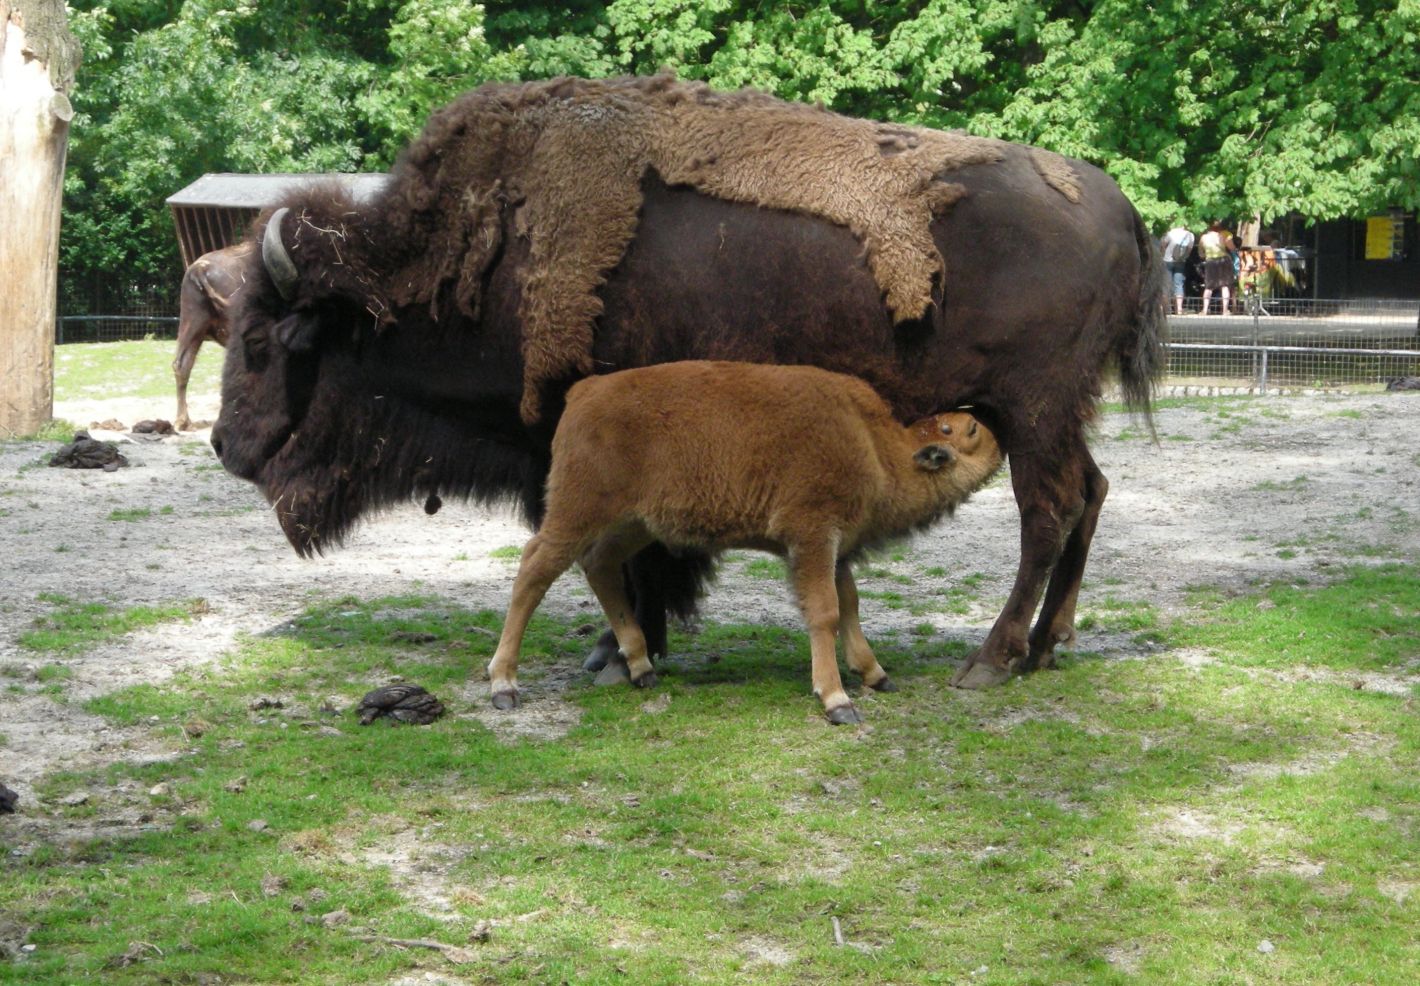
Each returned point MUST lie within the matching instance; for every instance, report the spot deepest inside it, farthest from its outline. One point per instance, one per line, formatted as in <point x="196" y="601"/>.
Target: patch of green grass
<point x="130" y="513"/>
<point x="1118" y="615"/>
<point x="509" y="552"/>
<point x="762" y="567"/>
<point x="1347" y="413"/>
<point x="1275" y="486"/>
<point x="73" y="626"/>
<point x="1174" y="815"/>
<point x="129" y="369"/>
<point x="1368" y="621"/>
<point x="56" y="430"/>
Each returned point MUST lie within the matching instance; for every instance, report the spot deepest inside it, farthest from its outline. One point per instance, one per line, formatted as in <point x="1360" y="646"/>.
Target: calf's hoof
<point x="844" y="715"/>
<point x="884" y="684"/>
<point x="647" y="680"/>
<point x="602" y="652"/>
<point x="505" y="701"/>
<point x="979" y="676"/>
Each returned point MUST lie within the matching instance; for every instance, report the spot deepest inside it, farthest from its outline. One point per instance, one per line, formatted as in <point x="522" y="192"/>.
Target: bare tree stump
<point x="38" y="57"/>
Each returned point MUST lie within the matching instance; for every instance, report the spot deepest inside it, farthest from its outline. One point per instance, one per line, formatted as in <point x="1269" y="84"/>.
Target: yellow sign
<point x="1385" y="238"/>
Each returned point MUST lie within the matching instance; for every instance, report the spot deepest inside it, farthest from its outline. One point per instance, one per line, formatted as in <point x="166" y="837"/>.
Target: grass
<point x="129" y="369"/>
<point x="137" y="513"/>
<point x="72" y="626"/>
<point x="1124" y="821"/>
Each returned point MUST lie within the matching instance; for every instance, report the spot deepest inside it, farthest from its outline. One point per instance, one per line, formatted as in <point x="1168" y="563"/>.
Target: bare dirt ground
<point x="1234" y="494"/>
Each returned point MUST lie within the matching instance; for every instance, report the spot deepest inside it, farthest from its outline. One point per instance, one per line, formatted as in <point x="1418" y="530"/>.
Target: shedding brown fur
<point x="795" y="460"/>
<point x="568" y="157"/>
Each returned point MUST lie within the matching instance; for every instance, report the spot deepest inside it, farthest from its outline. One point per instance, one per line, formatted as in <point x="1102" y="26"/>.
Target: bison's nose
<point x="217" y="442"/>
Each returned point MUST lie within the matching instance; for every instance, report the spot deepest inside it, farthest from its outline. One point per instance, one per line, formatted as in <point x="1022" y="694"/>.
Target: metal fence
<point x="1296" y="343"/>
<point x="110" y="310"/>
<point x="1262" y="344"/>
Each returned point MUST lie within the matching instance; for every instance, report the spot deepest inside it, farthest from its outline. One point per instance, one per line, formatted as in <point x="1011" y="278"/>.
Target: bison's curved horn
<point x="273" y="254"/>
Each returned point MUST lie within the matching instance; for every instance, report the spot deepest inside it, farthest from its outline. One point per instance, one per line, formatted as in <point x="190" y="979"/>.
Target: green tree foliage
<point x="1197" y="107"/>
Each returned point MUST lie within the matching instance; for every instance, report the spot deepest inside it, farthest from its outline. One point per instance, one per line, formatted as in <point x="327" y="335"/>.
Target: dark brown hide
<point x="340" y="401"/>
<point x="208" y="286"/>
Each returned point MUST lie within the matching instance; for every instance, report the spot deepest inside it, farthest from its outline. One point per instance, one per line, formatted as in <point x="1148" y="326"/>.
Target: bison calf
<point x="795" y="460"/>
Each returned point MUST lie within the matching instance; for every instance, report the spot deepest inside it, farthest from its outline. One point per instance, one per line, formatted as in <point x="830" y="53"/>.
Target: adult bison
<point x="422" y="344"/>
<point x="208" y="286"/>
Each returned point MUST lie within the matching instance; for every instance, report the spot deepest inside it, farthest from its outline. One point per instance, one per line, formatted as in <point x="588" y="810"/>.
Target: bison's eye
<point x="255" y="347"/>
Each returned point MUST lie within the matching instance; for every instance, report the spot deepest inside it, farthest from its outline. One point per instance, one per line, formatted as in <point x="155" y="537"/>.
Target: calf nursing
<point x="794" y="460"/>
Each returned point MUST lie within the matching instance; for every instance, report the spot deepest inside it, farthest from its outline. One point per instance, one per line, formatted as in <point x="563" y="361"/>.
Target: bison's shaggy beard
<point x="369" y="452"/>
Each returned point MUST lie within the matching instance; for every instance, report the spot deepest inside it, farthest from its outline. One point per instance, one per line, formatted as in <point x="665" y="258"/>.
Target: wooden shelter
<point x="213" y="212"/>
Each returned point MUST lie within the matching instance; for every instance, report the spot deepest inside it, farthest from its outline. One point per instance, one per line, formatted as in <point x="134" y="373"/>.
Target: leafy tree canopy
<point x="1199" y="108"/>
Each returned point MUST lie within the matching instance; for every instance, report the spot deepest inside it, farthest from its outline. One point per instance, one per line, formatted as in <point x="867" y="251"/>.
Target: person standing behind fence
<point x="1177" y="247"/>
<point x="1216" y="245"/>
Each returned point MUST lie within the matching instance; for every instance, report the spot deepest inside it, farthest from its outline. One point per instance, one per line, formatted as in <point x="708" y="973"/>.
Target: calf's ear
<point x="298" y="333"/>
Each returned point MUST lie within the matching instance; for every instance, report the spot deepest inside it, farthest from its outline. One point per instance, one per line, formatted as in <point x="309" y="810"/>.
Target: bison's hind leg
<point x="1056" y="623"/>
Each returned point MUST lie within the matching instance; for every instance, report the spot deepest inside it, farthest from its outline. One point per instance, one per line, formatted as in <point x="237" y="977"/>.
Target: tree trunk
<point x="38" y="56"/>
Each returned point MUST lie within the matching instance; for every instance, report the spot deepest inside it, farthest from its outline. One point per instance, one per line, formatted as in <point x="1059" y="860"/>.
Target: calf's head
<point x="943" y="438"/>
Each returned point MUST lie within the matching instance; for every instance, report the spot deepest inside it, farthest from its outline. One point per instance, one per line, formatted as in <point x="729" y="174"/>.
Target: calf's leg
<point x="544" y="559"/>
<point x="855" y="645"/>
<point x="811" y="567"/>
<point x="660" y="584"/>
<point x="602" y="564"/>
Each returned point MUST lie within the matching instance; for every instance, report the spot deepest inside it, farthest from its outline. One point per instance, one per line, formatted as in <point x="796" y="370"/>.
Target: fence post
<point x="1262" y="380"/>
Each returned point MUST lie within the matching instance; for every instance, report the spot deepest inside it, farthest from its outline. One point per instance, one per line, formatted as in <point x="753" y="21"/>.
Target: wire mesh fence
<point x="1261" y="344"/>
<point x="104" y="310"/>
<point x="1297" y="342"/>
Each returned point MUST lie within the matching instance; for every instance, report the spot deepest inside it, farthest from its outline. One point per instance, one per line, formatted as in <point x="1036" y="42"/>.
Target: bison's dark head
<point x="279" y="382"/>
<point x="332" y="407"/>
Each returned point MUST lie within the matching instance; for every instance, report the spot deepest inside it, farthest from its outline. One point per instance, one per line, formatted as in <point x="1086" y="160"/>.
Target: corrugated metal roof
<point x="260" y="191"/>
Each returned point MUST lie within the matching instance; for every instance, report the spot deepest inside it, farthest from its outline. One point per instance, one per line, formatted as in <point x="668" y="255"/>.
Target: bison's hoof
<point x="614" y="673"/>
<point x="505" y="701"/>
<point x="647" y="680"/>
<point x="884" y="684"/>
<point x="978" y="676"/>
<point x="844" y="715"/>
<point x="602" y="652"/>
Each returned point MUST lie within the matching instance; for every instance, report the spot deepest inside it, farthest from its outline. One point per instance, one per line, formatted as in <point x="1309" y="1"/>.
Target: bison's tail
<point x="1142" y="354"/>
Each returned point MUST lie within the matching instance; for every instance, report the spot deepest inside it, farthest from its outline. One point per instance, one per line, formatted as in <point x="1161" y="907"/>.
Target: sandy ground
<point x="1284" y="488"/>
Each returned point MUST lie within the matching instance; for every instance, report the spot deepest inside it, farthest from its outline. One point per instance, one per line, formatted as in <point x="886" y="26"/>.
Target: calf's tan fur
<point x="794" y="460"/>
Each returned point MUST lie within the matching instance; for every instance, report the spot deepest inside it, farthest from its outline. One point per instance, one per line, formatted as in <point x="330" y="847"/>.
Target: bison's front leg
<point x="1051" y="506"/>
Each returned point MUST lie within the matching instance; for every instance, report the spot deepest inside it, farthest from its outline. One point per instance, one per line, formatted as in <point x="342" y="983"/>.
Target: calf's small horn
<point x="274" y="256"/>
